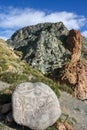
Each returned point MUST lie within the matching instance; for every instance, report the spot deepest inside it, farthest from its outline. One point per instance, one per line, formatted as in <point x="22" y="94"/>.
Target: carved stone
<point x="35" y="105"/>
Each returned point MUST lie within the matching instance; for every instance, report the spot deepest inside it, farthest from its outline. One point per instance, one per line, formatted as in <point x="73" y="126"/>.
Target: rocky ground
<point x="3" y="85"/>
<point x="76" y="109"/>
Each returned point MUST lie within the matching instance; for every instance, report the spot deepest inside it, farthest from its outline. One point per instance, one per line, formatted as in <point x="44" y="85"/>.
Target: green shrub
<point x="12" y="77"/>
<point x="3" y="65"/>
<point x="51" y="128"/>
<point x="18" y="53"/>
<point x="66" y="88"/>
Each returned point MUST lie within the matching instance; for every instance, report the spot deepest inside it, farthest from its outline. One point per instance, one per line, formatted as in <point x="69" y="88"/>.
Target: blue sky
<point x="15" y="14"/>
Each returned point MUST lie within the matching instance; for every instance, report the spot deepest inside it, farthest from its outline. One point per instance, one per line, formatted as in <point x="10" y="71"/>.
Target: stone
<point x="74" y="41"/>
<point x="6" y="108"/>
<point x="75" y="71"/>
<point x="60" y="126"/>
<point x="68" y="126"/>
<point x="35" y="105"/>
<point x="63" y="126"/>
<point x="9" y="117"/>
<point x="81" y="87"/>
<point x="3" y="85"/>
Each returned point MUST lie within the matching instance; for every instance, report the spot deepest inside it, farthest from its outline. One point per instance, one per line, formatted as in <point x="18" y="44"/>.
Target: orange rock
<point x="74" y="42"/>
<point x="68" y="126"/>
<point x="63" y="126"/>
<point x="75" y="72"/>
<point x="81" y="88"/>
<point x="60" y="126"/>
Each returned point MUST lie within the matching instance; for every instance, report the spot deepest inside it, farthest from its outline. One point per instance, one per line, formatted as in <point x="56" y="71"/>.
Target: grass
<point x="1" y="126"/>
<point x="12" y="78"/>
<point x="77" y="109"/>
<point x="51" y="128"/>
<point x="66" y="88"/>
<point x="65" y="118"/>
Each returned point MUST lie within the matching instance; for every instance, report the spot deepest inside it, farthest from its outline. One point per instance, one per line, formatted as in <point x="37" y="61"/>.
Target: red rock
<point x="68" y="126"/>
<point x="75" y="71"/>
<point x="63" y="126"/>
<point x="74" y="42"/>
<point x="60" y="126"/>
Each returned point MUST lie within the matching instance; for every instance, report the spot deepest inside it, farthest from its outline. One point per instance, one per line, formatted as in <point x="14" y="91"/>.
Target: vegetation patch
<point x="66" y="88"/>
<point x="12" y="78"/>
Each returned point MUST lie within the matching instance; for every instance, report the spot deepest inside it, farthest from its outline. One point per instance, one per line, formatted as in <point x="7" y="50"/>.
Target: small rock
<point x="6" y="108"/>
<point x="9" y="117"/>
<point x="35" y="105"/>
<point x="68" y="126"/>
<point x="3" y="85"/>
<point x="63" y="126"/>
<point x="60" y="126"/>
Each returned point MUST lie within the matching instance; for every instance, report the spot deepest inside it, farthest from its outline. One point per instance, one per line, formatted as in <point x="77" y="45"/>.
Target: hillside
<point x="13" y="71"/>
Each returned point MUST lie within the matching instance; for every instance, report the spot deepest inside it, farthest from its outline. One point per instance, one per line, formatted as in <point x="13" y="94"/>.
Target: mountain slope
<point x="13" y="71"/>
<point x="41" y="45"/>
<point x="44" y="45"/>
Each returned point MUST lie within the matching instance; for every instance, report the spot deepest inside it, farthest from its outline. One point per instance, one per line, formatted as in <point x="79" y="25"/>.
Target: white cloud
<point x="84" y="33"/>
<point x="17" y="18"/>
<point x="22" y="17"/>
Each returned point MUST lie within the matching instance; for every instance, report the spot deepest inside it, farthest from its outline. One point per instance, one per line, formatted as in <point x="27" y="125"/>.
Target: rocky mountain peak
<point x="42" y="45"/>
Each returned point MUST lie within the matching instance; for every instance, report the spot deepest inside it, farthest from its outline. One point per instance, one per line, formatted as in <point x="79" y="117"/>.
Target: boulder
<point x="35" y="105"/>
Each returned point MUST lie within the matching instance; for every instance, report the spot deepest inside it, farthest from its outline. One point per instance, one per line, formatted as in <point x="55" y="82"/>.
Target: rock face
<point x="42" y="45"/>
<point x="35" y="105"/>
<point x="84" y="49"/>
<point x="74" y="40"/>
<point x="81" y="87"/>
<point x="75" y="72"/>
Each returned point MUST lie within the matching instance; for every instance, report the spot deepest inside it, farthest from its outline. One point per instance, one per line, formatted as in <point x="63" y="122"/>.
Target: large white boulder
<point x="35" y="105"/>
